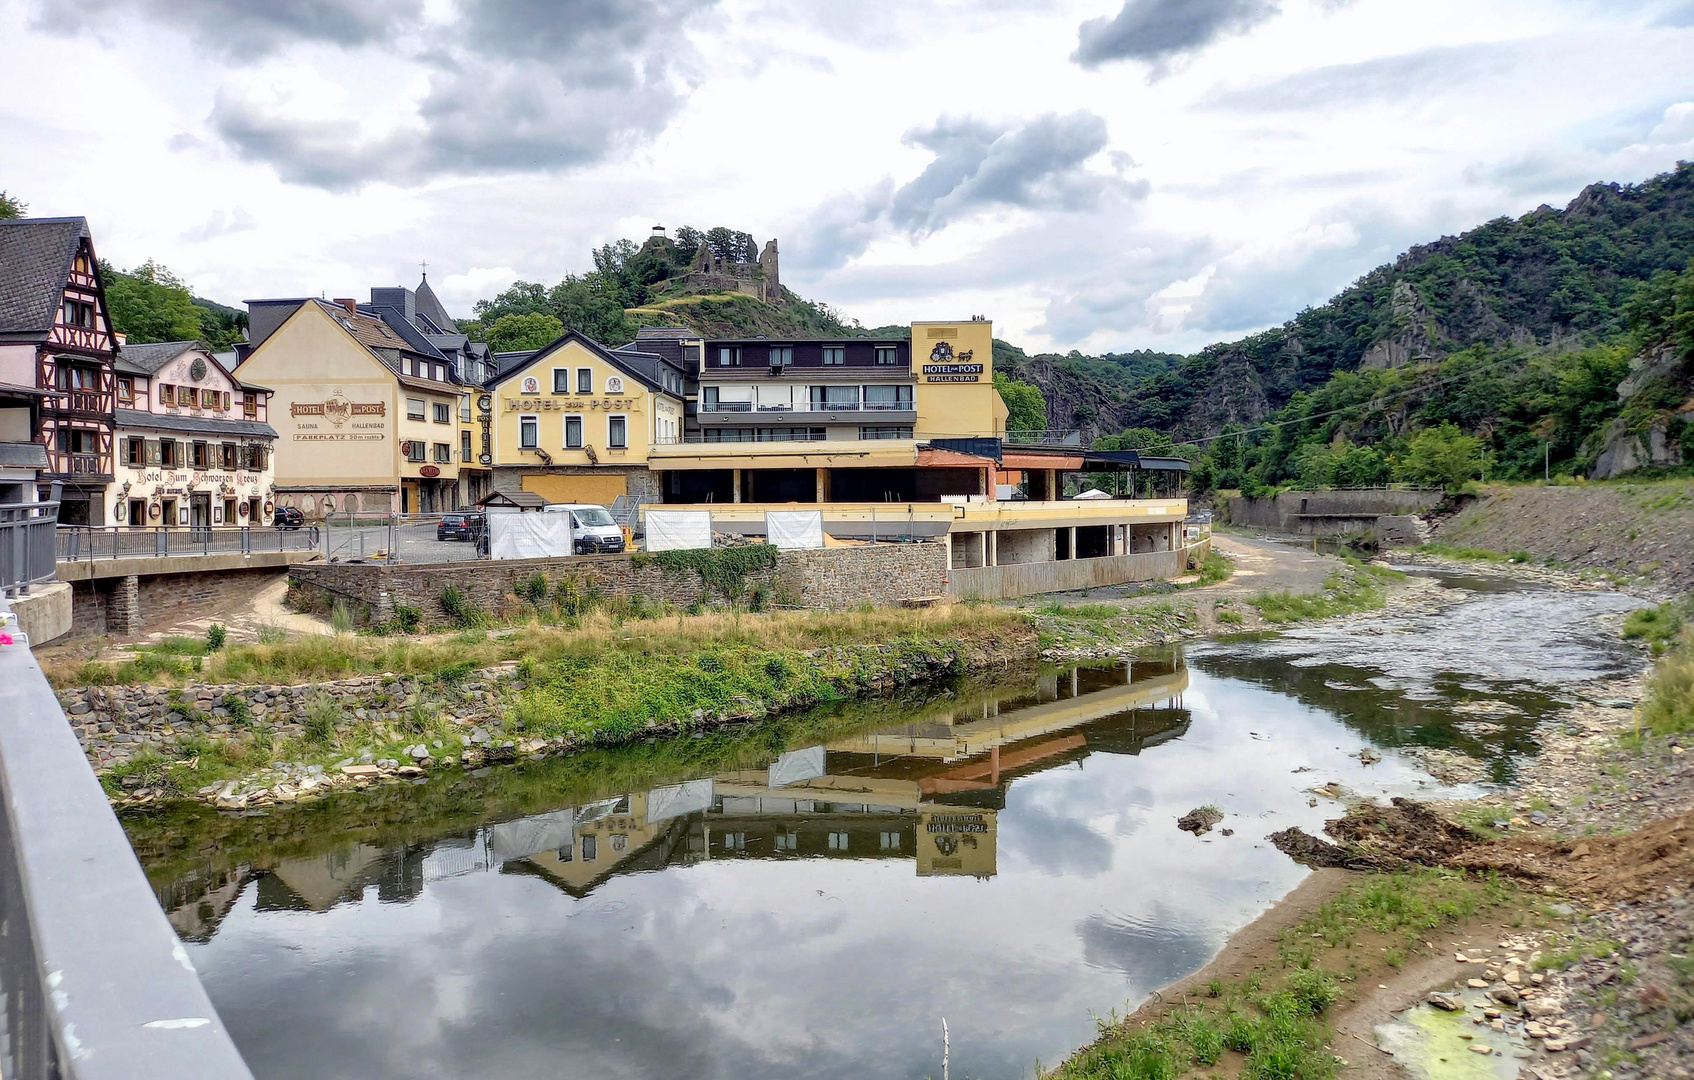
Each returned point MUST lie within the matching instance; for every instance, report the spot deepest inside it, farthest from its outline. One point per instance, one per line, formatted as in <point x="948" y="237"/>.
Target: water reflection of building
<point x="929" y="791"/>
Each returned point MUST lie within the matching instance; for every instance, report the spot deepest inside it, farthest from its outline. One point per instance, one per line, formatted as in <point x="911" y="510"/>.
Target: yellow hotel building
<point x="577" y="423"/>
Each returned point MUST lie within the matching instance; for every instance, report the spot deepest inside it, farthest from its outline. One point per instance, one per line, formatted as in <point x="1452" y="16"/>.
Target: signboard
<point x="429" y="471"/>
<point x="952" y="372"/>
<point x="568" y="404"/>
<point x="956" y="840"/>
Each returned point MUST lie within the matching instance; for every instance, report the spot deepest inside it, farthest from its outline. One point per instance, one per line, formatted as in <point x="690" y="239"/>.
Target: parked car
<point x="458" y="526"/>
<point x="593" y="532"/>
<point x="288" y="517"/>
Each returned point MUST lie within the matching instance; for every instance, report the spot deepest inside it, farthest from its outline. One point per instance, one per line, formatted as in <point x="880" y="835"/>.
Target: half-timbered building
<point x="56" y="338"/>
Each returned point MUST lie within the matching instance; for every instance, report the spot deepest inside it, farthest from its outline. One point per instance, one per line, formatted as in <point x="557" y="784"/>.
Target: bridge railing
<point x="91" y="543"/>
<point x="95" y="984"/>
<point x="26" y="545"/>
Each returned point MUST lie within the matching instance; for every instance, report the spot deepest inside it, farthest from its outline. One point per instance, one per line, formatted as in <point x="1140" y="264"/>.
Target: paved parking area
<point x="413" y="542"/>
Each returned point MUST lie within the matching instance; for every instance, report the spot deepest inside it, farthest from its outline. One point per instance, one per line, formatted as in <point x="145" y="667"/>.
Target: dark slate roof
<point x="429" y="306"/>
<point x="22" y="455"/>
<point x="650" y="364"/>
<point x="147" y="358"/>
<point x="35" y="263"/>
<point x="136" y="420"/>
<point x="507" y="362"/>
<point x="665" y="333"/>
<point x="636" y="365"/>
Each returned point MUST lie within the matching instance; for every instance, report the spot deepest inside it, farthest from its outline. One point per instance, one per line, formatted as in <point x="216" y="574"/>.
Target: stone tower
<point x="768" y="267"/>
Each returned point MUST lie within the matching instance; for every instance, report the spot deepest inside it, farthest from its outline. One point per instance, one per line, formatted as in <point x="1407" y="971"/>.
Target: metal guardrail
<point x="27" y="545"/>
<point x="95" y="983"/>
<point x="91" y="543"/>
<point x="1048" y="437"/>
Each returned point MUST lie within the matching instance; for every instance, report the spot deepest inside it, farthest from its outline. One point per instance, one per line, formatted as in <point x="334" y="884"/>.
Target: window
<point x="168" y="455"/>
<point x="71" y="377"/>
<point x="890" y="841"/>
<point x="254" y="453"/>
<point x="250" y="405"/>
<point x="443" y="413"/>
<point x="734" y="841"/>
<point x="200" y="456"/>
<point x="573" y="432"/>
<point x="135" y="452"/>
<point x="835" y="354"/>
<point x="414" y="449"/>
<point x="226" y="401"/>
<point x="439" y="371"/>
<point x="885" y="431"/>
<point x="79" y="313"/>
<point x="209" y="399"/>
<point x="826" y="398"/>
<point x="887" y="354"/>
<point x="414" y="408"/>
<point x="617" y="432"/>
<point x="167" y="394"/>
<point x="590" y="848"/>
<point x="729" y="356"/>
<point x="888" y="397"/>
<point x="465" y="446"/>
<point x="443" y="453"/>
<point x="584" y="380"/>
<point x="126" y="391"/>
<point x="529" y="432"/>
<point x="838" y="841"/>
<point x="464" y="408"/>
<point x="226" y="457"/>
<point x="561" y="380"/>
<point x="75" y="441"/>
<point x="782" y="355"/>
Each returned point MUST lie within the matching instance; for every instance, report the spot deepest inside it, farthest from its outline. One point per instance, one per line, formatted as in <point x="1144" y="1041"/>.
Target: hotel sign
<point x="338" y="411"/>
<point x="952" y="372"/>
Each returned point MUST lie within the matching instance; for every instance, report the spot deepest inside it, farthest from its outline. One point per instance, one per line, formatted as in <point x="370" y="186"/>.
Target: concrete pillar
<point x="735" y="485"/>
<point x="1073" y="541"/>
<point x="993" y="549"/>
<point x="123" y="607"/>
<point x="983" y="536"/>
<point x="1052" y="483"/>
<point x="823" y="485"/>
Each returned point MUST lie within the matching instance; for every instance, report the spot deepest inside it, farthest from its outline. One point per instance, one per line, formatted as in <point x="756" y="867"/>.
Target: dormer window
<point x="834" y="355"/>
<point x="782" y="356"/>
<point x="729" y="356"/>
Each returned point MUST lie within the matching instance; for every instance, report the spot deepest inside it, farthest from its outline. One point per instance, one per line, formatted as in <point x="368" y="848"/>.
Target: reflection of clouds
<point x="842" y="967"/>
<point x="1060" y="846"/>
<point x="1153" y="948"/>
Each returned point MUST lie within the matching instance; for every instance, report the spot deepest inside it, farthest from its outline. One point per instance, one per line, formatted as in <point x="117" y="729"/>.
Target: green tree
<point x="11" y="207"/>
<point x="515" y="333"/>
<point x="1314" y="465"/>
<point x="1360" y="466"/>
<point x="1444" y="456"/>
<point x="1026" y="408"/>
<point x="149" y="303"/>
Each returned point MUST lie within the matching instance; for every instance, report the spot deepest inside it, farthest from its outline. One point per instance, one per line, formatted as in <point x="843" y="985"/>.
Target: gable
<point x="311" y="347"/>
<point x="199" y="369"/>
<point x="82" y="321"/>
<point x="573" y="350"/>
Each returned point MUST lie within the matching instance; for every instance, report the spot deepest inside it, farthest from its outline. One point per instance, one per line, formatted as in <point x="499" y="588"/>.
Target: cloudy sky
<point x="1098" y="174"/>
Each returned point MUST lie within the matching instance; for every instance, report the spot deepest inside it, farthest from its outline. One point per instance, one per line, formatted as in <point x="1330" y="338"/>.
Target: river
<point x="813" y="898"/>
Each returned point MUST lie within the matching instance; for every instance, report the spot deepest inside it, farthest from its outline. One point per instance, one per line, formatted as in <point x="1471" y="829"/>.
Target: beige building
<point x="367" y="413"/>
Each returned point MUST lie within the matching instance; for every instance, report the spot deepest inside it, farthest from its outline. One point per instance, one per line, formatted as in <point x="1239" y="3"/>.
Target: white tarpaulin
<point x="795" y="766"/>
<point x="678" y="530"/>
<point x="528" y="536"/>
<point x="794" y="528"/>
<point x="673" y="802"/>
<point x="532" y="835"/>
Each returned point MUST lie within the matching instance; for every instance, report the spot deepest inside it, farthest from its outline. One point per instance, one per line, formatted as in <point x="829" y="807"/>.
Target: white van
<point x="593" y="532"/>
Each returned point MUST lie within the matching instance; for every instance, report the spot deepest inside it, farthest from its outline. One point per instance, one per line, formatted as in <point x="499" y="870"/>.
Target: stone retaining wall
<point x="829" y="578"/>
<point x="113" y="723"/>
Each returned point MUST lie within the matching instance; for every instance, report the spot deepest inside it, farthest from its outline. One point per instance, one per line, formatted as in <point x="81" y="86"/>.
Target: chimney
<point x="352" y="306"/>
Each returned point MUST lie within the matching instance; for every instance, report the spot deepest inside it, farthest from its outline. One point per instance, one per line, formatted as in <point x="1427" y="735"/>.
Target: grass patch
<point x="1669" y="705"/>
<point x="320" y="657"/>
<point x="1213" y="569"/>
<point x="1275" y="1021"/>
<point x="1091" y="612"/>
<point x="1658" y="624"/>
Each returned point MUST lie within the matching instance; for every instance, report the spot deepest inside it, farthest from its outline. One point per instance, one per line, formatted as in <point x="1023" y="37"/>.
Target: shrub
<point x="1313" y="990"/>
<point x="341" y="617"/>
<point x="407" y="618"/>
<point x="459" y="608"/>
<point x="272" y="635"/>
<point x="533" y="588"/>
<point x="236" y="706"/>
<point x="777" y="668"/>
<point x="324" y="715"/>
<point x="215" y="637"/>
<point x="759" y="599"/>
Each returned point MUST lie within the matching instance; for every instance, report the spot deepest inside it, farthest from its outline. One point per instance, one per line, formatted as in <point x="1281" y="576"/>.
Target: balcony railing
<point x="1048" y="437"/>
<point x="26" y="545"/>
<point x="78" y="463"/>
<point x="809" y="407"/>
<point x="699" y="438"/>
<point x="96" y="984"/>
<point x="92" y="543"/>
